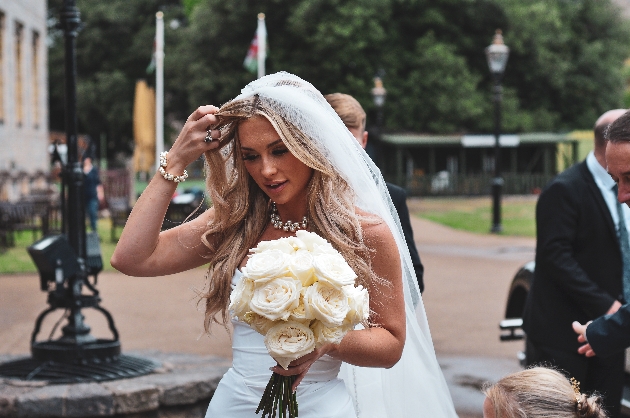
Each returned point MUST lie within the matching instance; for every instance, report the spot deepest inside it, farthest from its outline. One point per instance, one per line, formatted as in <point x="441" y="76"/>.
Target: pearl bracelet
<point x="169" y="176"/>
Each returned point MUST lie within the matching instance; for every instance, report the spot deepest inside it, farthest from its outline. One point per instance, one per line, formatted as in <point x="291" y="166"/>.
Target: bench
<point x="118" y="189"/>
<point x="22" y="216"/>
<point x="119" y="211"/>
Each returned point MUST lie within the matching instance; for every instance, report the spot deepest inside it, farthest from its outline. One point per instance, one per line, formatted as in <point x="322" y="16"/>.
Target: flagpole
<point x="261" y="34"/>
<point x="159" y="87"/>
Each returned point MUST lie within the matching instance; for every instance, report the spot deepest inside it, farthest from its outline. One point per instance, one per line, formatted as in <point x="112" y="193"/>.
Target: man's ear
<point x="364" y="139"/>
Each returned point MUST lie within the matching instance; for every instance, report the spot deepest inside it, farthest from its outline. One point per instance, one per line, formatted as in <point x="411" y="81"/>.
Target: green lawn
<point x="469" y="214"/>
<point x="475" y="214"/>
<point x="17" y="259"/>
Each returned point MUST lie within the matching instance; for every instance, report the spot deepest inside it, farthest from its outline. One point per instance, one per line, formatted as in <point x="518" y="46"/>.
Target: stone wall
<point x="180" y="388"/>
<point x="23" y="86"/>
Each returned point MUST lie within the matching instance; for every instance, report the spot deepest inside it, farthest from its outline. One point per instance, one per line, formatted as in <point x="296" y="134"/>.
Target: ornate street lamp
<point x="379" y="93"/>
<point x="497" y="55"/>
<point x="65" y="262"/>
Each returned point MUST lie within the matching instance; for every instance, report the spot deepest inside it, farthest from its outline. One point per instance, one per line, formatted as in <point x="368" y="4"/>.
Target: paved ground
<point x="467" y="278"/>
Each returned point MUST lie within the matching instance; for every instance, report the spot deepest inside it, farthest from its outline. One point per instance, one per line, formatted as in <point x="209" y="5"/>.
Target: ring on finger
<point x="208" y="137"/>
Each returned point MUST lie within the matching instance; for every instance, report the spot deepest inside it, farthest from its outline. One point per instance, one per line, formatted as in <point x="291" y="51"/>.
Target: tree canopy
<point x="565" y="66"/>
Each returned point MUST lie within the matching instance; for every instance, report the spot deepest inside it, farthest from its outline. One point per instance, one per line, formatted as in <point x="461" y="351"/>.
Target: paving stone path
<point x="467" y="277"/>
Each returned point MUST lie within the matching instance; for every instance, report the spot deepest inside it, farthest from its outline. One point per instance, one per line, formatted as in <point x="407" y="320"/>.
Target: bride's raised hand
<point x="196" y="137"/>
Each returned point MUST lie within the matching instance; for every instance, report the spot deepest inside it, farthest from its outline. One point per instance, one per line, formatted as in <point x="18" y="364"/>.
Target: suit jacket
<point x="399" y="198"/>
<point x="610" y="334"/>
<point x="578" y="271"/>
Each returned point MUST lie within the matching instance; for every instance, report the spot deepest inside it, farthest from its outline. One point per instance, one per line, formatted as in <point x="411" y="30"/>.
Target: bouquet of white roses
<point x="299" y="293"/>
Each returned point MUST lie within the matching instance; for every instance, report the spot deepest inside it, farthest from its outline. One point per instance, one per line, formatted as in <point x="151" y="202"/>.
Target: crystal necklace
<point x="288" y="225"/>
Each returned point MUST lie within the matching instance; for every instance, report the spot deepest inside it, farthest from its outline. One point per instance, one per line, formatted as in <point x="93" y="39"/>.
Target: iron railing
<point x="447" y="184"/>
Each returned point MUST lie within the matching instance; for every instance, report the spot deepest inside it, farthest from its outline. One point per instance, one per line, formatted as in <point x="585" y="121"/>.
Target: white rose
<point x="325" y="249"/>
<point x="288" y="341"/>
<point x="266" y="265"/>
<point x="276" y="298"/>
<point x="301" y="266"/>
<point x="325" y="335"/>
<point x="359" y="303"/>
<point x="259" y="323"/>
<point x="296" y="244"/>
<point x="299" y="314"/>
<point x="327" y="303"/>
<point x="333" y="269"/>
<point x="311" y="239"/>
<point x="240" y="297"/>
<point x="281" y="244"/>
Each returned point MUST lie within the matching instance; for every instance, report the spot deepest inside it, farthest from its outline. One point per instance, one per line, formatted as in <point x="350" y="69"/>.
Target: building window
<point x="35" y="79"/>
<point x="2" y="36"/>
<point x="19" y="87"/>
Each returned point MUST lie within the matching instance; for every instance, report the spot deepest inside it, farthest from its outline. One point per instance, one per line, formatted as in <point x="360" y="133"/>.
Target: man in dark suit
<point x="610" y="334"/>
<point x="578" y="273"/>
<point x="353" y="116"/>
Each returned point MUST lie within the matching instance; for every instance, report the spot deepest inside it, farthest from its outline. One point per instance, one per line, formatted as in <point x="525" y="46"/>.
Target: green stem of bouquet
<point x="278" y="395"/>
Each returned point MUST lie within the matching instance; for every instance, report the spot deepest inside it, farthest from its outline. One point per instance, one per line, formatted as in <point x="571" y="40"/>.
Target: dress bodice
<point x="251" y="359"/>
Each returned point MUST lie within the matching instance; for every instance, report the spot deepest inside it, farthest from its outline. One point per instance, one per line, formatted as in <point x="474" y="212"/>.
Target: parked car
<point x="512" y="326"/>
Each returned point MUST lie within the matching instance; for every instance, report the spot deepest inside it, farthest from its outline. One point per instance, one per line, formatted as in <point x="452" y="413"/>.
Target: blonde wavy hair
<point x="541" y="392"/>
<point x="242" y="209"/>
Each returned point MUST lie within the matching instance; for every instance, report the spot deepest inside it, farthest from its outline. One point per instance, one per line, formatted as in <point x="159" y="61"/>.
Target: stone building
<point x="23" y="93"/>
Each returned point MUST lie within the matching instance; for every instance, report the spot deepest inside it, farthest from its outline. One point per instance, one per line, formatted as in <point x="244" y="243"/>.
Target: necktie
<point x="625" y="248"/>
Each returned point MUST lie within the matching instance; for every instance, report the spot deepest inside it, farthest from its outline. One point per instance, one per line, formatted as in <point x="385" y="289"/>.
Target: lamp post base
<point x="97" y="351"/>
<point x="93" y="370"/>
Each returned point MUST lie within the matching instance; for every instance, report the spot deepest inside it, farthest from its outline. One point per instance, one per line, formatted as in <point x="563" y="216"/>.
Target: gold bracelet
<point x="169" y="176"/>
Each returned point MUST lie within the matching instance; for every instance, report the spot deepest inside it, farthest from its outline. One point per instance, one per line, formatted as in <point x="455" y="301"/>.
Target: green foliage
<point x="423" y="95"/>
<point x="189" y="5"/>
<point x="565" y="66"/>
<point x="564" y="56"/>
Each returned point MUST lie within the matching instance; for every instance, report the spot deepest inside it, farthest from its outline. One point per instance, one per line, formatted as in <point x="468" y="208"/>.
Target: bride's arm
<point x="382" y="344"/>
<point x="142" y="249"/>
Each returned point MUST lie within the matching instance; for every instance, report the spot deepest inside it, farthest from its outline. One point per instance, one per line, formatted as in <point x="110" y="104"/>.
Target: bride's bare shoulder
<point x="375" y="229"/>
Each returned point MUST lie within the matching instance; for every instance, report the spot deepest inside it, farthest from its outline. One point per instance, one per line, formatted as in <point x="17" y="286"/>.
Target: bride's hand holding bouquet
<point x="299" y="293"/>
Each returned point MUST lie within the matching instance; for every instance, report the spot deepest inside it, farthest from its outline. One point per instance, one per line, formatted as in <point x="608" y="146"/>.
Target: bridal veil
<point x="415" y="386"/>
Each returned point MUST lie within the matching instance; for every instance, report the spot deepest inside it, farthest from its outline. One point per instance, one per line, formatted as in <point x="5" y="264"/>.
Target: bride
<point x="279" y="150"/>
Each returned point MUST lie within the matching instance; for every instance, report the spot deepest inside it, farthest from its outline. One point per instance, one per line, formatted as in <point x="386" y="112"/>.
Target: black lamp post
<point x="65" y="263"/>
<point x="497" y="55"/>
<point x="379" y="93"/>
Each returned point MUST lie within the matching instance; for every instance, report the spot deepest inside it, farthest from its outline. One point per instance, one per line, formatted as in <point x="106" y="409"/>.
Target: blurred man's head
<point x="351" y="113"/>
<point x="599" y="130"/>
<point x="618" y="155"/>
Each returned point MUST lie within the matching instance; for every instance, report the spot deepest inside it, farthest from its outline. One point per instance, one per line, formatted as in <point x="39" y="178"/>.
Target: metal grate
<point x="94" y="371"/>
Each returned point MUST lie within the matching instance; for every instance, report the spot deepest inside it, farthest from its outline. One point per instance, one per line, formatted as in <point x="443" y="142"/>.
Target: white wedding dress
<point x="320" y="394"/>
<point x="415" y="386"/>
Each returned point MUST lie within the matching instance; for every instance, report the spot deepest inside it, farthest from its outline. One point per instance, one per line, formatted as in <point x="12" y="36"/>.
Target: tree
<point x="565" y="66"/>
<point x="114" y="48"/>
<point x="566" y="61"/>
